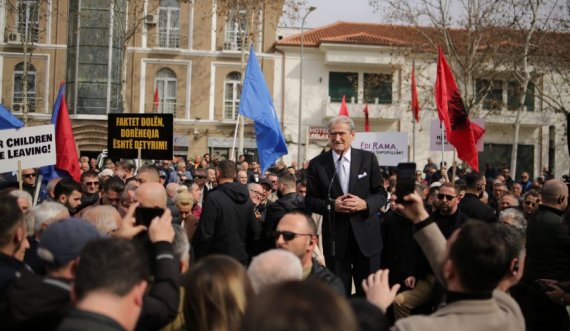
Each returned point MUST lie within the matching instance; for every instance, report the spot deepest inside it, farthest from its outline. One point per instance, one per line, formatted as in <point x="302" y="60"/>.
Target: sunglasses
<point x="91" y="183"/>
<point x="446" y="197"/>
<point x="200" y="177"/>
<point x="530" y="203"/>
<point x="29" y="175"/>
<point x="288" y="235"/>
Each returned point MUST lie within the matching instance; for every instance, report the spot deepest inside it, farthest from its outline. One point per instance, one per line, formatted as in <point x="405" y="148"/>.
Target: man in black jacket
<point x="34" y="302"/>
<point x="547" y="257"/>
<point x="297" y="233"/>
<point x="470" y="205"/>
<point x="288" y="200"/>
<point x="109" y="286"/>
<point x="227" y="224"/>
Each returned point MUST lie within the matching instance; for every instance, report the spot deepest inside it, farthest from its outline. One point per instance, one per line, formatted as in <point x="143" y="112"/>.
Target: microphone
<point x="334" y="175"/>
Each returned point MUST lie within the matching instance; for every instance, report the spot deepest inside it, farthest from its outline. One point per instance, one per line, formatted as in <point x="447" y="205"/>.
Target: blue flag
<point x="256" y="104"/>
<point x="9" y="121"/>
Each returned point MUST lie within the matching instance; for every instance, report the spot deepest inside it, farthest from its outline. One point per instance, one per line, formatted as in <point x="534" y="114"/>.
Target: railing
<point x="15" y="103"/>
<point x="165" y="39"/>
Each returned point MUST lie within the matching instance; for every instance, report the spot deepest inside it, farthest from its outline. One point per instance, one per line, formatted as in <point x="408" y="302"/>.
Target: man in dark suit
<point x="470" y="205"/>
<point x="351" y="229"/>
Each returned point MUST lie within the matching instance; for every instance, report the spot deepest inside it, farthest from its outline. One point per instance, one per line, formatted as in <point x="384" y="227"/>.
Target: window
<point x="343" y="84"/>
<point x="232" y="92"/>
<point x="19" y="79"/>
<point x="514" y="93"/>
<point x="491" y="92"/>
<point x="169" y="24"/>
<point x="166" y="85"/>
<point x="378" y="86"/>
<point x="235" y="30"/>
<point x="28" y="20"/>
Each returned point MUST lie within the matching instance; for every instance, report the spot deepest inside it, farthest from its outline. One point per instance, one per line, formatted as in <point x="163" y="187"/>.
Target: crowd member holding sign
<point x="351" y="233"/>
<point x="29" y="177"/>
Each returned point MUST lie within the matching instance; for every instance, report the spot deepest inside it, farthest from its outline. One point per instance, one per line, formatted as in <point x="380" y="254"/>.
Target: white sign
<point x="390" y="148"/>
<point x="435" y="137"/>
<point x="33" y="146"/>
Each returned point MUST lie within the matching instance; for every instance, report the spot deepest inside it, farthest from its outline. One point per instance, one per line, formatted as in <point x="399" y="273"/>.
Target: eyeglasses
<point x="200" y="177"/>
<point x="446" y="197"/>
<point x="91" y="183"/>
<point x="340" y="134"/>
<point x="288" y="235"/>
<point x="530" y="203"/>
<point x="256" y="192"/>
<point x="29" y="175"/>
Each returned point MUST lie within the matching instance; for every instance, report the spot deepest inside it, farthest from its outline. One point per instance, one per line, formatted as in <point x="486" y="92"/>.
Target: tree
<point x="26" y="31"/>
<point x="249" y="18"/>
<point x="487" y="38"/>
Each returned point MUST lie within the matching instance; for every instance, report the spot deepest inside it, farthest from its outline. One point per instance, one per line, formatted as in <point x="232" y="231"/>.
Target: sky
<point x="330" y="11"/>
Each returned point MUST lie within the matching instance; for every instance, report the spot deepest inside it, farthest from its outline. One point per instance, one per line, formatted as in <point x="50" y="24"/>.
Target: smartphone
<point x="405" y="180"/>
<point x="145" y="215"/>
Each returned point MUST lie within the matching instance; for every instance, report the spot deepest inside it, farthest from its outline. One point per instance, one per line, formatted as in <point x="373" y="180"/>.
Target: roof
<point x="418" y="38"/>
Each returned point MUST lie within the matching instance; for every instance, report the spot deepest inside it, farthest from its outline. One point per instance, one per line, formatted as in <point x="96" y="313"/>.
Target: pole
<point x="299" y="143"/>
<point x="233" y="153"/>
<point x="414" y="138"/>
<point x="442" y="140"/>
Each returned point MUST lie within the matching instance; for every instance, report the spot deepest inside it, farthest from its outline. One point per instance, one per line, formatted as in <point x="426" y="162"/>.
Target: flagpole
<point x="442" y="140"/>
<point x="414" y="136"/>
<point x="232" y="155"/>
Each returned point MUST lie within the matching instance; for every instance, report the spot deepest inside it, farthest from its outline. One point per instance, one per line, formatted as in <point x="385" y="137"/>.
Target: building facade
<point x="116" y="55"/>
<point x="371" y="65"/>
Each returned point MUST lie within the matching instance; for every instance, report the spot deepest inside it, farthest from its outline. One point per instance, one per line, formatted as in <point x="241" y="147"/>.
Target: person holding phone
<point x="348" y="180"/>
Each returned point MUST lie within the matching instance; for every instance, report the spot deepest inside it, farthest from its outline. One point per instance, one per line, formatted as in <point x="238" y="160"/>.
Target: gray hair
<point x="514" y="217"/>
<point x="181" y="244"/>
<point x="342" y="119"/>
<point x="46" y="213"/>
<point x="19" y="194"/>
<point x="103" y="217"/>
<point x="273" y="267"/>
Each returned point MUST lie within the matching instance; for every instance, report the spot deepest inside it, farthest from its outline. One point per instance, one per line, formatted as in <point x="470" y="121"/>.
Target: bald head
<point x="151" y="195"/>
<point x="555" y="194"/>
<point x="171" y="189"/>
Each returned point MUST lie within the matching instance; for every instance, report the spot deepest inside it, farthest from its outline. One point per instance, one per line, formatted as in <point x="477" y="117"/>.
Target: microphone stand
<point x="331" y="212"/>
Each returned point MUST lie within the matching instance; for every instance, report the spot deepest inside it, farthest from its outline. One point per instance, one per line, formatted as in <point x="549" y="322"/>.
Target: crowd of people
<point x="208" y="244"/>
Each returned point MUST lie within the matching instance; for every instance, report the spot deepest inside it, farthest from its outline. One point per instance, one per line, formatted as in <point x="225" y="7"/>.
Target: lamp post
<point x="299" y="157"/>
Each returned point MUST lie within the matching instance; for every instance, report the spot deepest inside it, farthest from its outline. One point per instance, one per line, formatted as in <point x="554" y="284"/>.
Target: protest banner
<point x="435" y="136"/>
<point x="390" y="148"/>
<point x="151" y="134"/>
<point x="33" y="147"/>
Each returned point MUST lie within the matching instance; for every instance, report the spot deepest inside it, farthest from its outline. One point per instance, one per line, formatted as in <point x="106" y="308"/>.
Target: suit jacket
<point x="473" y="208"/>
<point x="365" y="181"/>
<point x="500" y="313"/>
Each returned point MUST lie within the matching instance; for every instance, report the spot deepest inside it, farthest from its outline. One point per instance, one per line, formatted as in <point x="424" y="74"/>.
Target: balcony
<point x="356" y="109"/>
<point x="164" y="107"/>
<point x="15" y="103"/>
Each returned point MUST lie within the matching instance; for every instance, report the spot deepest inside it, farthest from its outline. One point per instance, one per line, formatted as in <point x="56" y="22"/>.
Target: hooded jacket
<point x="227" y="224"/>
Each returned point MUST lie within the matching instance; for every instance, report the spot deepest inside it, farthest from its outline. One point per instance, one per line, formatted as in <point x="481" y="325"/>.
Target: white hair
<point x="19" y="194"/>
<point x="103" y="217"/>
<point x="47" y="213"/>
<point x="274" y="267"/>
<point x="514" y="217"/>
<point x="181" y="244"/>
